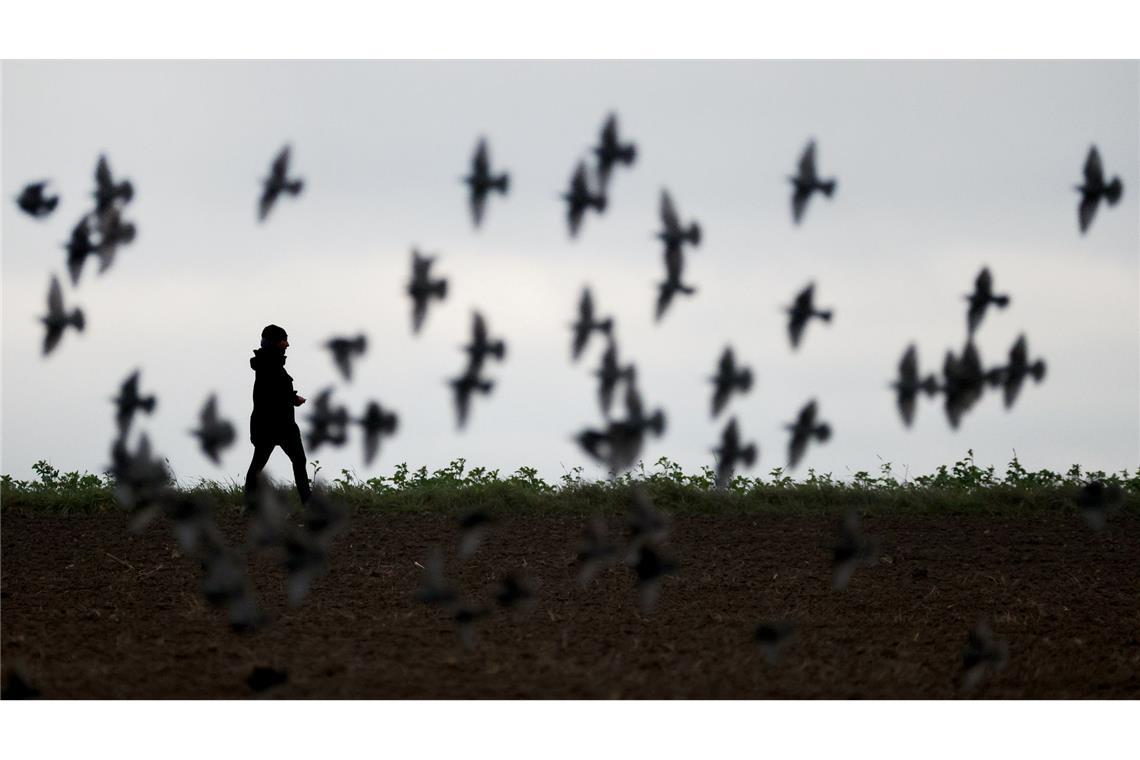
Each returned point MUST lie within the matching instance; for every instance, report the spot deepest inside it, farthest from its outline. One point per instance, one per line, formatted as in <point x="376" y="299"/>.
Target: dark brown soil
<point x="93" y="611"/>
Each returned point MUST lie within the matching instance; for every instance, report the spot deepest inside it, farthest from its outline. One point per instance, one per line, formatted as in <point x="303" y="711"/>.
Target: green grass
<point x="960" y="488"/>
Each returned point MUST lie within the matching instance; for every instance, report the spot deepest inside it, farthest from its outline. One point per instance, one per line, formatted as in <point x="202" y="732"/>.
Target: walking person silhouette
<point x="273" y="423"/>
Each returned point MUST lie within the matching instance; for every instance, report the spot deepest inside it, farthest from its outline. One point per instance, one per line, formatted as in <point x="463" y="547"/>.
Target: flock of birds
<point x="144" y="484"/>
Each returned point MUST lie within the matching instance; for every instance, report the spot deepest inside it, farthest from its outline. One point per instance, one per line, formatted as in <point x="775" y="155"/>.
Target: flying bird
<point x="113" y="231"/>
<point x="33" y="201"/>
<point x="801" y="311"/>
<point x="773" y="637"/>
<point x="481" y="346"/>
<point x="730" y="452"/>
<point x="213" y="433"/>
<point x="464" y="386"/>
<point x="983" y="653"/>
<point x="1017" y="370"/>
<point x="107" y="191"/>
<point x="851" y="551"/>
<point x="276" y="183"/>
<point x="472" y="528"/>
<point x="515" y="593"/>
<point x="964" y="381"/>
<point x="376" y="423"/>
<point x="329" y="423"/>
<point x="580" y="197"/>
<point x="651" y="567"/>
<point x="803" y="430"/>
<point x="465" y="616"/>
<point x="142" y="480"/>
<point x="646" y="524"/>
<point x="807" y="182"/>
<point x="482" y="182"/>
<point x="672" y="284"/>
<point x="609" y="374"/>
<point x="1098" y="500"/>
<point x="611" y="151"/>
<point x="909" y="384"/>
<point x="587" y="324"/>
<point x="673" y="233"/>
<point x="344" y="350"/>
<point x="57" y="320"/>
<point x="1095" y="189"/>
<point x="728" y="379"/>
<point x="130" y="401"/>
<point x="422" y="288"/>
<point x="981" y="298"/>
<point x="79" y="246"/>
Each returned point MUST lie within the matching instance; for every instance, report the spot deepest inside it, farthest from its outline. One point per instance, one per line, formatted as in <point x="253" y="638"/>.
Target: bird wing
<point x="55" y="298"/>
<point x="477" y="202"/>
<point x="807" y="162"/>
<point x="609" y="131"/>
<point x="280" y="166"/>
<point x="480" y="166"/>
<point x="984" y="283"/>
<point x="103" y="180"/>
<point x="478" y="330"/>
<point x="800" y="197"/>
<point x="1087" y="210"/>
<point x="908" y="367"/>
<point x="669" y="213"/>
<point x="1094" y="171"/>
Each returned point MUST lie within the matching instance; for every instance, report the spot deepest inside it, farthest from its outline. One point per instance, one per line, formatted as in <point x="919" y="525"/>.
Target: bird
<point x="909" y="384"/>
<point x="329" y="423"/>
<point x="773" y="637"/>
<point x="213" y="433"/>
<point x="107" y="191"/>
<point x="226" y="585"/>
<point x="983" y="653"/>
<point x="1019" y="367"/>
<point x="57" y="320"/>
<point x="730" y="452"/>
<point x="376" y="423"/>
<point x="422" y="288"/>
<point x="619" y="445"/>
<point x="463" y="386"/>
<point x="481" y="346"/>
<point x="434" y="589"/>
<point x="801" y="311"/>
<point x="672" y="284"/>
<point x="344" y="350"/>
<point x="611" y="151"/>
<point x="803" y="430"/>
<point x="515" y="593"/>
<point x="1098" y="500"/>
<point x="142" y="480"/>
<point x="651" y="566"/>
<point x="728" y="379"/>
<point x="609" y="374"/>
<point x="472" y="528"/>
<point x="130" y="401"/>
<point x="79" y="246"/>
<point x="35" y="202"/>
<point x="645" y="523"/>
<point x="963" y="382"/>
<point x="587" y="324"/>
<point x="465" y="616"/>
<point x="482" y="182"/>
<point x="595" y="551"/>
<point x="1094" y="189"/>
<point x="113" y="232"/>
<point x="276" y="183"/>
<point x="806" y="182"/>
<point x="325" y="517"/>
<point x="262" y="678"/>
<point x="580" y="197"/>
<point x="673" y="233"/>
<point x="851" y="551"/>
<point x="981" y="298"/>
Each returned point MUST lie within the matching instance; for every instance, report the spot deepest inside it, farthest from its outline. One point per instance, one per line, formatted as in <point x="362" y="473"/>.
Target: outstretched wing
<point x="807" y="162"/>
<point x="55" y="298"/>
<point x="480" y="165"/>
<point x="1094" y="171"/>
<point x="669" y="214"/>
<point x="1087" y="210"/>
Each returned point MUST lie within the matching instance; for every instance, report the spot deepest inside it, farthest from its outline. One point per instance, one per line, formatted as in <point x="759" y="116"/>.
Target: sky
<point x="942" y="168"/>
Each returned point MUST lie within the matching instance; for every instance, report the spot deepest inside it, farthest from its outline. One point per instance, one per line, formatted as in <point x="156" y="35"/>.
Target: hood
<point x="266" y="358"/>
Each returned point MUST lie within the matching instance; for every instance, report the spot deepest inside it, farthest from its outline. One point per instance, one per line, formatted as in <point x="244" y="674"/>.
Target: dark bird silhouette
<point x="481" y="182"/>
<point x="1013" y="374"/>
<point x="376" y="423"/>
<point x="481" y="346"/>
<point x="57" y="320"/>
<point x="983" y="653"/>
<point x="803" y="430"/>
<point x="33" y="201"/>
<point x="645" y="523"/>
<point x="226" y="585"/>
<point x="807" y="182"/>
<point x="344" y="350"/>
<point x="107" y="191"/>
<point x="801" y="311"/>
<point x="909" y="384"/>
<point x="773" y="637"/>
<point x="1099" y="500"/>
<point x="434" y="589"/>
<point x="142" y="480"/>
<point x="262" y="679"/>
<point x="609" y="374"/>
<point x="113" y="231"/>
<point x="325" y="516"/>
<point x="730" y="452"/>
<point x="611" y="151"/>
<point x="464" y="386"/>
<point x="673" y="233"/>
<point x="276" y="183"/>
<point x="329" y="424"/>
<point x="981" y="298"/>
<point x="651" y="566"/>
<point x="619" y="445"/>
<point x="465" y="617"/>
<point x="213" y="433"/>
<point x="963" y="382"/>
<point x="423" y="288"/>
<point x="672" y="284"/>
<point x="728" y="379"/>
<point x="851" y="551"/>
<point x="580" y="197"/>
<point x="472" y="528"/>
<point x="587" y="324"/>
<point x="130" y="401"/>
<point x="79" y="246"/>
<point x="1095" y="189"/>
<point x="515" y="593"/>
<point x="595" y="551"/>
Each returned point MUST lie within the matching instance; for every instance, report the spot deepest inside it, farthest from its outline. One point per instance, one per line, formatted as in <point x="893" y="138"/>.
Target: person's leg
<point x="261" y="454"/>
<point x="296" y="451"/>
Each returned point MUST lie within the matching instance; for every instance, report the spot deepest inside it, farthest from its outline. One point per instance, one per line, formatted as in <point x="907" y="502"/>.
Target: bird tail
<point x="824" y="315"/>
<point x="1001" y="301"/>
<point x="606" y="326"/>
<point x="498" y="350"/>
<point x="502" y="183"/>
<point x="657" y="423"/>
<point x="439" y="288"/>
<point x="744" y="380"/>
<point x="748" y="455"/>
<point x="77" y="319"/>
<point x="823" y="432"/>
<point x="295" y="187"/>
<point x="484" y="386"/>
<point x="126" y="191"/>
<point x="694" y="233"/>
<point x="51" y="203"/>
<point x="599" y="202"/>
<point x="827" y="187"/>
<point x="628" y="154"/>
<point x="1037" y="369"/>
<point x="147" y="404"/>
<point x="929" y="385"/>
<point x="1113" y="191"/>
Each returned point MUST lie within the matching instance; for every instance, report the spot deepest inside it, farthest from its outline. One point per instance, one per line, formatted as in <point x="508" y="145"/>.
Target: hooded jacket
<point x="273" y="419"/>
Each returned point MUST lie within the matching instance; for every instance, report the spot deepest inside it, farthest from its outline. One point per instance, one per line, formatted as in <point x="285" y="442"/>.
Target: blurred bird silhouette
<point x="619" y="445"/>
<point x="376" y="423"/>
<point x="580" y="198"/>
<point x="587" y="324"/>
<point x="672" y="285"/>
<point x="963" y="382"/>
<point x="329" y="424"/>
<point x="226" y="585"/>
<point x="79" y="246"/>
<point x="262" y="679"/>
<point x="773" y="637"/>
<point x="981" y="298"/>
<point x="801" y="311"/>
<point x="481" y="346"/>
<point x="646" y="524"/>
<point x="113" y="232"/>
<point x="983" y="653"/>
<point x="1098" y="501"/>
<point x="422" y="288"/>
<point x="142" y="480"/>
<point x="851" y="551"/>
<point x="33" y="201"/>
<point x="481" y="182"/>
<point x="465" y="617"/>
<point x="651" y="567"/>
<point x="276" y="183"/>
<point x="1095" y="189"/>
<point x="909" y="384"/>
<point x="609" y="374"/>
<point x="515" y="593"/>
<point x="434" y="589"/>
<point x="807" y="182"/>
<point x="344" y="350"/>
<point x="728" y="379"/>
<point x="325" y="517"/>
<point x="611" y="151"/>
<point x="472" y="529"/>
<point x="803" y="430"/>
<point x="130" y="401"/>
<point x="213" y="433"/>
<point x="57" y="319"/>
<point x="730" y="452"/>
<point x="1017" y="370"/>
<point x="595" y="551"/>
<point x="464" y="386"/>
<point x="107" y="191"/>
<point x="673" y="233"/>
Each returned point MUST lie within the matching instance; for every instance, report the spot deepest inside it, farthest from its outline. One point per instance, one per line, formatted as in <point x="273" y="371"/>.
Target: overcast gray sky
<point x="943" y="167"/>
